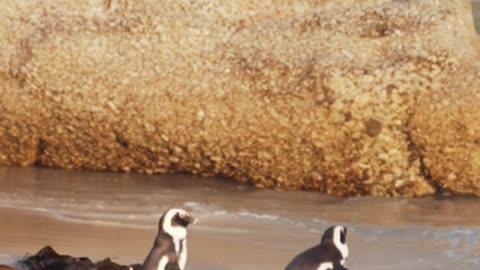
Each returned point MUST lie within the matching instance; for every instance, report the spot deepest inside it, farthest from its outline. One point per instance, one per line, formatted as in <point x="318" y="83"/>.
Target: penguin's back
<point x="311" y="258"/>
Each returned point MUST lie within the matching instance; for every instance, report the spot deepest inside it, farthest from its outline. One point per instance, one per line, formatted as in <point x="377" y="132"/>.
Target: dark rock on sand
<point x="48" y="259"/>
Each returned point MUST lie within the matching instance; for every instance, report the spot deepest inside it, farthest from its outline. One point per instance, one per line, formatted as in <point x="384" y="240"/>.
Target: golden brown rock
<point x="373" y="97"/>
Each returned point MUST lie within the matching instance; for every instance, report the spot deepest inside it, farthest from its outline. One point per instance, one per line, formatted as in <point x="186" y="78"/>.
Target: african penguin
<point x="331" y="252"/>
<point x="169" y="251"/>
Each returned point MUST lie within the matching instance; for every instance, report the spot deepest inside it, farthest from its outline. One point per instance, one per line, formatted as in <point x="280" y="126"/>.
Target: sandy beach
<point x="26" y="232"/>
<point x="114" y="215"/>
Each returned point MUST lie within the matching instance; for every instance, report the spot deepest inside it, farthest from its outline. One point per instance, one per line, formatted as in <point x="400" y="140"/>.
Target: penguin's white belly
<point x="162" y="263"/>
<point x="182" y="256"/>
<point x="325" y="266"/>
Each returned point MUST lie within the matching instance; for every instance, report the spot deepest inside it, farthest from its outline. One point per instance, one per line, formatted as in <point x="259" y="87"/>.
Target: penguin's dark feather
<point x="326" y="251"/>
<point x="328" y="235"/>
<point x="311" y="258"/>
<point x="163" y="246"/>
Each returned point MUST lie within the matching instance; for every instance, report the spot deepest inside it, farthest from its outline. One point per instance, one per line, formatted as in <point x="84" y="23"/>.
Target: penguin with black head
<point x="330" y="254"/>
<point x="169" y="251"/>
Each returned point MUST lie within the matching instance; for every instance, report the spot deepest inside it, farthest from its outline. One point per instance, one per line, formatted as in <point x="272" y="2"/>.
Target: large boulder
<point x="373" y="97"/>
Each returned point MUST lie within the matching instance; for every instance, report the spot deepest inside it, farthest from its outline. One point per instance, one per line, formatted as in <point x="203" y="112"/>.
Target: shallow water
<point x="107" y="214"/>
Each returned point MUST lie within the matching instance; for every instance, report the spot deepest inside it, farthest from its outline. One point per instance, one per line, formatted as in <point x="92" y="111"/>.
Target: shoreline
<point x="239" y="228"/>
<point x="25" y="232"/>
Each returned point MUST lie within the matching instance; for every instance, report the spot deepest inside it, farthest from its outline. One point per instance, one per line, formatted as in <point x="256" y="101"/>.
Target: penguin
<point x="331" y="253"/>
<point x="169" y="251"/>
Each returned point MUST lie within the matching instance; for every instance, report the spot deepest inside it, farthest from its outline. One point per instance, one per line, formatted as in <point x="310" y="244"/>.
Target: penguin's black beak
<point x="191" y="220"/>
<point x="183" y="220"/>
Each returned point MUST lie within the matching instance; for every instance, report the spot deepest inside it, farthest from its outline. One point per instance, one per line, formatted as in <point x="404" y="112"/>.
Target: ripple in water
<point x="387" y="234"/>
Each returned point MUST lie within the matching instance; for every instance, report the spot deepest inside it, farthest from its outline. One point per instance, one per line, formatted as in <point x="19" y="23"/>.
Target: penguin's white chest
<point x="162" y="263"/>
<point x="181" y="250"/>
<point x="344" y="250"/>
<point x="325" y="266"/>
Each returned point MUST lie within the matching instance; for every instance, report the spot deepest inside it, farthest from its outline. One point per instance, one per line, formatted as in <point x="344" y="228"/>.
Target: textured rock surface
<point x="376" y="97"/>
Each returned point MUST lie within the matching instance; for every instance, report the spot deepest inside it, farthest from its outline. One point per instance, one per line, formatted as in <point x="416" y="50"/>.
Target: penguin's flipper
<point x="339" y="266"/>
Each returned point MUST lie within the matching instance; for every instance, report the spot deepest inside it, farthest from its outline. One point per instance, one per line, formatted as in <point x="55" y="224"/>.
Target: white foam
<point x="245" y="213"/>
<point x="220" y="213"/>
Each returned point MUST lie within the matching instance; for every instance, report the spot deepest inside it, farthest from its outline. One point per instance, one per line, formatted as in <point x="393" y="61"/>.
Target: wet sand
<point x="26" y="231"/>
<point x="115" y="215"/>
<point x="23" y="231"/>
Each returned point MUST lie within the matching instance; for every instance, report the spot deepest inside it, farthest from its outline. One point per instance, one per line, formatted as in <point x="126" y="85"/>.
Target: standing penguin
<point x="331" y="253"/>
<point x="169" y="251"/>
